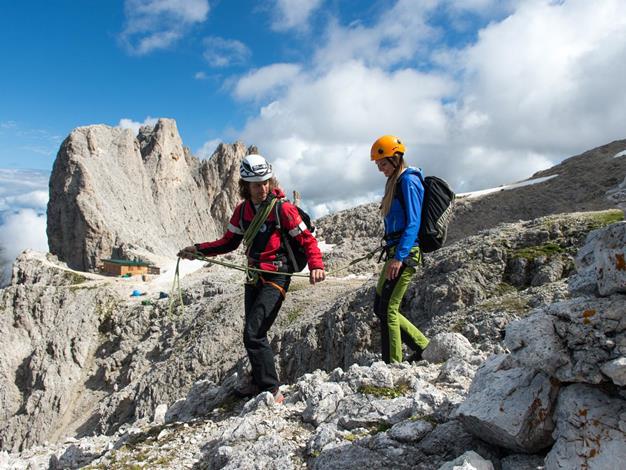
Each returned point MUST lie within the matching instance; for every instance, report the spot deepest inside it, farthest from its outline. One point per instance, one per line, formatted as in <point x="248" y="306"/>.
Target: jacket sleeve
<point x="229" y="242"/>
<point x="293" y="224"/>
<point x="413" y="193"/>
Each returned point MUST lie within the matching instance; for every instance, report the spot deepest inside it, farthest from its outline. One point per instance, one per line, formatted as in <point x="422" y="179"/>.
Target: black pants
<point x="262" y="303"/>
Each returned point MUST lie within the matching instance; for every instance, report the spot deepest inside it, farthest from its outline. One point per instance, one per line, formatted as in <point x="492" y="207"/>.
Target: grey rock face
<point x="590" y="431"/>
<point x="510" y="407"/>
<point x="617" y="196"/>
<point x="32" y="268"/>
<point x="534" y="344"/>
<point x="447" y="345"/>
<point x="616" y="370"/>
<point x="571" y="340"/>
<point x="610" y="255"/>
<point x="47" y="350"/>
<point x="522" y="462"/>
<point x="113" y="194"/>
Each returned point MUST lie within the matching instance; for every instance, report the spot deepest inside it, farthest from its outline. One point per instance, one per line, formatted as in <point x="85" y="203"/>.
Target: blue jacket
<point x="406" y="219"/>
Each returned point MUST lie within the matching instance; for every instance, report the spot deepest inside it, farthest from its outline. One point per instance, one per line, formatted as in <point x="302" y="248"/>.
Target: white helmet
<point x="255" y="168"/>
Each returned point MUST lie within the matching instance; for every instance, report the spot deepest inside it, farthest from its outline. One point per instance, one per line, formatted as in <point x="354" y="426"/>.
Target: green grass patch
<point x="380" y="427"/>
<point x="532" y="252"/>
<point x="229" y="404"/>
<point x="504" y="288"/>
<point x="75" y="278"/>
<point x="293" y="315"/>
<point x="459" y="325"/>
<point x="428" y="418"/>
<point x="297" y="285"/>
<point x="602" y="219"/>
<point x="385" y="392"/>
<point x="164" y="461"/>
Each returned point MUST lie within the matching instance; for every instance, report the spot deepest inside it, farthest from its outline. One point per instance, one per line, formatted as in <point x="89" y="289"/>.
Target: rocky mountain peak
<point x="116" y="194"/>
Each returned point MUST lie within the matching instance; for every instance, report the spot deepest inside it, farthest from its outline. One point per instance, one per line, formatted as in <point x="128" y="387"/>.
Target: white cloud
<point x="401" y="34"/>
<point x="208" y="148"/>
<point x="323" y="127"/>
<point x="200" y="76"/>
<point x="23" y="189"/>
<point x="157" y="24"/>
<point x="544" y="82"/>
<point x="37" y="200"/>
<point x="534" y="88"/>
<point x="21" y="230"/>
<point x="325" y="208"/>
<point x="291" y="14"/>
<point x="220" y="52"/>
<point x="126" y="123"/>
<point x="266" y="80"/>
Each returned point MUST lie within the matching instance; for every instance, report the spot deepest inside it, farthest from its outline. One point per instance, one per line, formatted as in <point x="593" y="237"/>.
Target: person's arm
<point x="229" y="242"/>
<point x="293" y="224"/>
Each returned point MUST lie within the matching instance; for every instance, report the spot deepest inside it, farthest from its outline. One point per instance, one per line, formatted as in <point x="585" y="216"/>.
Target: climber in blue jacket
<point x="401" y="208"/>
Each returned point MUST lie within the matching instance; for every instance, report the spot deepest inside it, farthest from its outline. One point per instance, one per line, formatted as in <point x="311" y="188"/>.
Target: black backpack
<point x="436" y="212"/>
<point x="295" y="251"/>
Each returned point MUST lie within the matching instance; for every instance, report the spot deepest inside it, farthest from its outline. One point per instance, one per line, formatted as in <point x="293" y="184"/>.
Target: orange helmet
<point x="385" y="147"/>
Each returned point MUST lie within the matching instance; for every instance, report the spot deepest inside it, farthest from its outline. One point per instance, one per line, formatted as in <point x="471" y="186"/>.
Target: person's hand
<point x="316" y="275"/>
<point x="189" y="252"/>
<point x="393" y="268"/>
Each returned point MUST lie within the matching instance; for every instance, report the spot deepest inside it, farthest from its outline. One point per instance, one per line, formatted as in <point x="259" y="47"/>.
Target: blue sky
<point x="483" y="92"/>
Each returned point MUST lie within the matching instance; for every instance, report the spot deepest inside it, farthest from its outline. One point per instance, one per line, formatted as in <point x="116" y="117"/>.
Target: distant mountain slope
<point x="581" y="184"/>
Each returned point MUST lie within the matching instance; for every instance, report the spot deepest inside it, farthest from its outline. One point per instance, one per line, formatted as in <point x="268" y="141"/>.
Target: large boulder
<point x="510" y="407"/>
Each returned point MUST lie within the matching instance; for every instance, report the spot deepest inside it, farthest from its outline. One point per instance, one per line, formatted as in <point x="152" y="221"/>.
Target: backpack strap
<point x="400" y="195"/>
<point x="283" y="235"/>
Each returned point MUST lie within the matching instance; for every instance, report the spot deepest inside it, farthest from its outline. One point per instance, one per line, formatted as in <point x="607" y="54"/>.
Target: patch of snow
<point x="483" y="192"/>
<point x="325" y="247"/>
<point x="621" y="154"/>
<point x="166" y="278"/>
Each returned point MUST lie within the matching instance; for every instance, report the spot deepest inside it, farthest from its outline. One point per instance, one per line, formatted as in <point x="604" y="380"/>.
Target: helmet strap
<point x="392" y="162"/>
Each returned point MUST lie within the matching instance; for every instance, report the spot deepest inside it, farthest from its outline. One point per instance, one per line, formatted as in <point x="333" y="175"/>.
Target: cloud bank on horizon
<point x="23" y="201"/>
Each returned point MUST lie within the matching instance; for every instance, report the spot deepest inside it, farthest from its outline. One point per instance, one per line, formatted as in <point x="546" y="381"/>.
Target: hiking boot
<point x="416" y="356"/>
<point x="246" y="390"/>
<point x="279" y="398"/>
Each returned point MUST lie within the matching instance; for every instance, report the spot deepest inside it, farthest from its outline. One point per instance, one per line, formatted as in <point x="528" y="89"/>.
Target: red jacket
<point x="266" y="251"/>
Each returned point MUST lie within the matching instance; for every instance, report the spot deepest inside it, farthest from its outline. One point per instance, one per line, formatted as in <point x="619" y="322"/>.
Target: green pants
<point x="395" y="327"/>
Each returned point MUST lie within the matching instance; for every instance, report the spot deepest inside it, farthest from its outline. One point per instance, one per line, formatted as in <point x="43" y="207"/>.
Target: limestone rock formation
<point x="579" y="340"/>
<point x="116" y="194"/>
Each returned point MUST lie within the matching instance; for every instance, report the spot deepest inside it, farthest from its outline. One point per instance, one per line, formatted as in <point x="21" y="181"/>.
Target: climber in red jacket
<point x="264" y="292"/>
